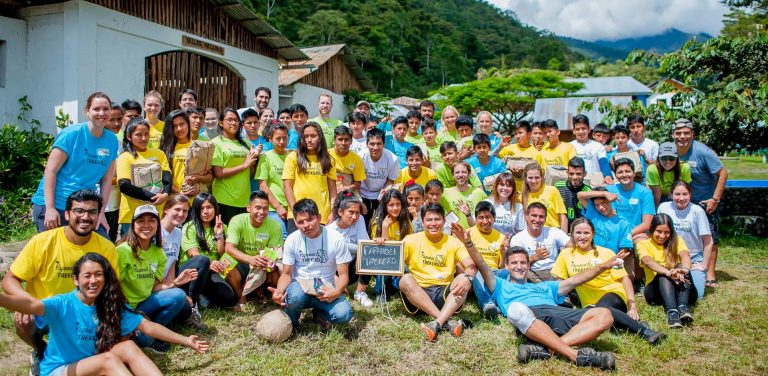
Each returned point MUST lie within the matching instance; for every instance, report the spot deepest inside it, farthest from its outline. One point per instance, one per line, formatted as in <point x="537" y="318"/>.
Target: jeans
<point x="281" y="221"/>
<point x="161" y="307"/>
<point x="481" y="291"/>
<point x="203" y="266"/>
<point x="38" y="213"/>
<point x="338" y="311"/>
<point x="698" y="277"/>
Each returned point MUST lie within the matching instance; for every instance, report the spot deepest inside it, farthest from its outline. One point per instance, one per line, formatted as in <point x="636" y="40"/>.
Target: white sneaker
<point x="362" y="297"/>
<point x="34" y="364"/>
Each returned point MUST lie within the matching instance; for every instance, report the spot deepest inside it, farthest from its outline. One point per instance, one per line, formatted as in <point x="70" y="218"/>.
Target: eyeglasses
<point x="79" y="212"/>
<point x="230" y="121"/>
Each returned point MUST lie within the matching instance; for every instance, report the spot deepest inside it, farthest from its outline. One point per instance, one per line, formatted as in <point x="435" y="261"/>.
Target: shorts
<point x="437" y="294"/>
<point x="560" y="319"/>
<point x="714" y="224"/>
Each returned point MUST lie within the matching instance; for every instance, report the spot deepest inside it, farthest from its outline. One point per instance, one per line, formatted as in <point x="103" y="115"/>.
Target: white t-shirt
<point x="650" y="147"/>
<point x="352" y="234"/>
<point x="690" y="224"/>
<point x="508" y="222"/>
<point x="171" y="246"/>
<point x="377" y="173"/>
<point x="551" y="238"/>
<point x="318" y="257"/>
<point x="590" y="152"/>
<point x="359" y="146"/>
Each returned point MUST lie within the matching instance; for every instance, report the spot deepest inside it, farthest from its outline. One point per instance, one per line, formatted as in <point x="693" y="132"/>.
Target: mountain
<point x="611" y="50"/>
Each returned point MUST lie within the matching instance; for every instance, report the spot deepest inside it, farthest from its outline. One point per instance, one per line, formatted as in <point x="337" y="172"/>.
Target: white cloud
<point x="617" y="19"/>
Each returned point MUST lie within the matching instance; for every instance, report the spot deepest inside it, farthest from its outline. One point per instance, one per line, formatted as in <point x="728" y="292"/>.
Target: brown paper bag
<point x="199" y="155"/>
<point x="634" y="157"/>
<point x="147" y="176"/>
<point x="488" y="182"/>
<point x="517" y="163"/>
<point x="554" y="174"/>
<point x="594" y="179"/>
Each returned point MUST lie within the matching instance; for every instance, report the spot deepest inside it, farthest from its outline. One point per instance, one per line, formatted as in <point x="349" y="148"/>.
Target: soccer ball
<point x="274" y="326"/>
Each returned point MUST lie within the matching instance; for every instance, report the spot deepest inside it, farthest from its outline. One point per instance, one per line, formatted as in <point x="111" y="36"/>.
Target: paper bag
<point x="634" y="157"/>
<point x="199" y="155"/>
<point x="517" y="163"/>
<point x="147" y="176"/>
<point x="488" y="182"/>
<point x="555" y="174"/>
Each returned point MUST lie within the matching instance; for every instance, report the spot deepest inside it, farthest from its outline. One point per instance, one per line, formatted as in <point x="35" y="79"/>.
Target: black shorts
<point x="437" y="294"/>
<point x="714" y="221"/>
<point x="559" y="319"/>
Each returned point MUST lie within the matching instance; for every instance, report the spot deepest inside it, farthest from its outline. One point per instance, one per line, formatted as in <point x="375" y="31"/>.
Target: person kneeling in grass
<point x="88" y="325"/>
<point x="533" y="309"/>
<point x="432" y="284"/>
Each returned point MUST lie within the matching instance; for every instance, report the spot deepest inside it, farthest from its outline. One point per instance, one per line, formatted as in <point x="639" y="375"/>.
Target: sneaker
<point x="532" y="351"/>
<point x="34" y="364"/>
<point x="431" y="330"/>
<point x="673" y="319"/>
<point x="651" y="336"/>
<point x="195" y="320"/>
<point x="491" y="310"/>
<point x="159" y="347"/>
<point x="455" y="327"/>
<point x="639" y="288"/>
<point x="203" y="302"/>
<point x="685" y="315"/>
<point x="363" y="298"/>
<point x="587" y="357"/>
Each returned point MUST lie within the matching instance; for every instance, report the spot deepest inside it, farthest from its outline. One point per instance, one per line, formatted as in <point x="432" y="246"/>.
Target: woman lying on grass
<point x="90" y="325"/>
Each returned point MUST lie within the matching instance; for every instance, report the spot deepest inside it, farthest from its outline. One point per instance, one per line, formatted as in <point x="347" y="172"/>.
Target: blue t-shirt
<point x="73" y="330"/>
<point x="632" y="205"/>
<point x="530" y="294"/>
<point x="704" y="168"/>
<point x="293" y="140"/>
<point x="613" y="233"/>
<point x="265" y="144"/>
<point x="88" y="159"/>
<point x="495" y="141"/>
<point x="494" y="166"/>
<point x="399" y="149"/>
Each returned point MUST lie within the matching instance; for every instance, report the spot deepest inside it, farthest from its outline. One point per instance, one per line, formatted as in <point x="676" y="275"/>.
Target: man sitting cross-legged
<point x="533" y="309"/>
<point x="431" y="284"/>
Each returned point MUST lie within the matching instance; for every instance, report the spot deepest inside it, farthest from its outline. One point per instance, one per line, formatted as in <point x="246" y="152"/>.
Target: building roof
<point x="610" y="86"/>
<point x="406" y="101"/>
<point x="320" y="55"/>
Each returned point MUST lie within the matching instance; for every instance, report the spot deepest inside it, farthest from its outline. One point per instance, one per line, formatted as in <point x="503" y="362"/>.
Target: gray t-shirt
<point x="171" y="246"/>
<point x="650" y="147"/>
<point x="377" y="173"/>
<point x="690" y="224"/>
<point x="704" y="168"/>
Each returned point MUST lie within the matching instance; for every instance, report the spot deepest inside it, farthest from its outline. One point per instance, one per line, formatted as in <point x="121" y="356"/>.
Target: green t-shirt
<point x="189" y="241"/>
<point x="236" y="189"/>
<point x="445" y="176"/>
<point x="452" y="196"/>
<point x="652" y="177"/>
<point x="270" y="169"/>
<point x="416" y="140"/>
<point x="251" y="240"/>
<point x="435" y="158"/>
<point x="445" y="135"/>
<point x="328" y="126"/>
<point x="138" y="276"/>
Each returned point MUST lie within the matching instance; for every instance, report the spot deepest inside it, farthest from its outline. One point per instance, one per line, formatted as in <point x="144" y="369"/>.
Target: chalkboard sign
<point x="375" y="259"/>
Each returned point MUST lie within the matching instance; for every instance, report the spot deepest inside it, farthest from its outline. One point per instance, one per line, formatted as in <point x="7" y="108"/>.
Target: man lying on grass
<point x="533" y="309"/>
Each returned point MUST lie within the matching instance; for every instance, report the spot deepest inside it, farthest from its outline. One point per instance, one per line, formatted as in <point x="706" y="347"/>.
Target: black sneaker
<point x="455" y="327"/>
<point x="651" y="336"/>
<point x="159" y="347"/>
<point x="532" y="351"/>
<point x="673" y="319"/>
<point x="587" y="357"/>
<point x="431" y="330"/>
<point x="685" y="315"/>
<point x="491" y="311"/>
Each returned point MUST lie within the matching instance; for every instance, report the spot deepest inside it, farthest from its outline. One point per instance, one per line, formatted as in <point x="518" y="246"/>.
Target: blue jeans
<point x="481" y="291"/>
<point x="698" y="277"/>
<point x="338" y="311"/>
<point x="161" y="307"/>
<point x="273" y="215"/>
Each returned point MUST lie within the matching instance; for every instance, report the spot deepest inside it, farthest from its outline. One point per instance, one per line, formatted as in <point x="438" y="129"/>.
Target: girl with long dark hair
<point x="176" y="138"/>
<point x="89" y="324"/>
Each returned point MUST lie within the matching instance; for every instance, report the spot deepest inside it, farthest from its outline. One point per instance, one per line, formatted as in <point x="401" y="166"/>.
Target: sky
<point x="617" y="19"/>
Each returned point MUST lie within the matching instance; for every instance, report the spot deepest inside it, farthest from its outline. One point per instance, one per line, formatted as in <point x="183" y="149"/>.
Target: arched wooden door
<point x="216" y="85"/>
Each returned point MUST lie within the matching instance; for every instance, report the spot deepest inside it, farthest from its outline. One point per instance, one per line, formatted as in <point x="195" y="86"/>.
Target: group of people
<point x="558" y="237"/>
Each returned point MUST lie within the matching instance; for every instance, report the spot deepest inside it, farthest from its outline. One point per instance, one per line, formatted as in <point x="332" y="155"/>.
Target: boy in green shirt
<point x="414" y="128"/>
<point x="269" y="174"/>
<point x="429" y="133"/>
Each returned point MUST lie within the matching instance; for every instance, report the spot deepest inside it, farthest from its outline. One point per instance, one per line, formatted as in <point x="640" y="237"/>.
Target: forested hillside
<point x="409" y="47"/>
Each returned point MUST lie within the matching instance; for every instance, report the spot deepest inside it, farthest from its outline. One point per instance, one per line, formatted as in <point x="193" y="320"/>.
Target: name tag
<point x="262" y="236"/>
<point x="633" y="201"/>
<point x="102" y="152"/>
<point x="692" y="164"/>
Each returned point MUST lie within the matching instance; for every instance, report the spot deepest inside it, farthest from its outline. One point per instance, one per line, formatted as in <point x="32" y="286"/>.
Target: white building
<point x="59" y="52"/>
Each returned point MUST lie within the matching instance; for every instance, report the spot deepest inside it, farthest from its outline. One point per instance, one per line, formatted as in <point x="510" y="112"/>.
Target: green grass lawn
<point x="746" y="168"/>
<point x="729" y="337"/>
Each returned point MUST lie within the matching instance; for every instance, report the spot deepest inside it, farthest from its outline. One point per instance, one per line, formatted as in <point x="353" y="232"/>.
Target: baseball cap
<point x="363" y="102"/>
<point x="145" y="209"/>
<point x="668" y="149"/>
<point x="682" y="123"/>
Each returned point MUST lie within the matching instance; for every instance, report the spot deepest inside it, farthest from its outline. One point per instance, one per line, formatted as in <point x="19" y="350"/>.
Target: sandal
<point x="711" y="283"/>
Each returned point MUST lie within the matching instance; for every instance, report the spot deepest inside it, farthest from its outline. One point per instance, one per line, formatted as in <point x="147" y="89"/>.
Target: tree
<point x="509" y="99"/>
<point x="730" y="107"/>
<point x="324" y="27"/>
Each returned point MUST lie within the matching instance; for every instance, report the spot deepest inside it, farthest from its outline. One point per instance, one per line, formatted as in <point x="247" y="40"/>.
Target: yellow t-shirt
<point x="155" y="133"/>
<point x="557" y="156"/>
<point x="572" y="261"/>
<point x="47" y="259"/>
<point x="179" y="160"/>
<point x="550" y="197"/>
<point x="515" y="150"/>
<point x="123" y="167"/>
<point x="649" y="248"/>
<point x="433" y="264"/>
<point x="488" y="245"/>
<point x="426" y="175"/>
<point x="393" y="232"/>
<point x="310" y="184"/>
<point x="350" y="166"/>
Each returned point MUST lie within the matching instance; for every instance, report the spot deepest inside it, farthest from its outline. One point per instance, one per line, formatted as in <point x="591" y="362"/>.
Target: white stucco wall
<point x="308" y="95"/>
<point x="14" y="34"/>
<point x="76" y="48"/>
